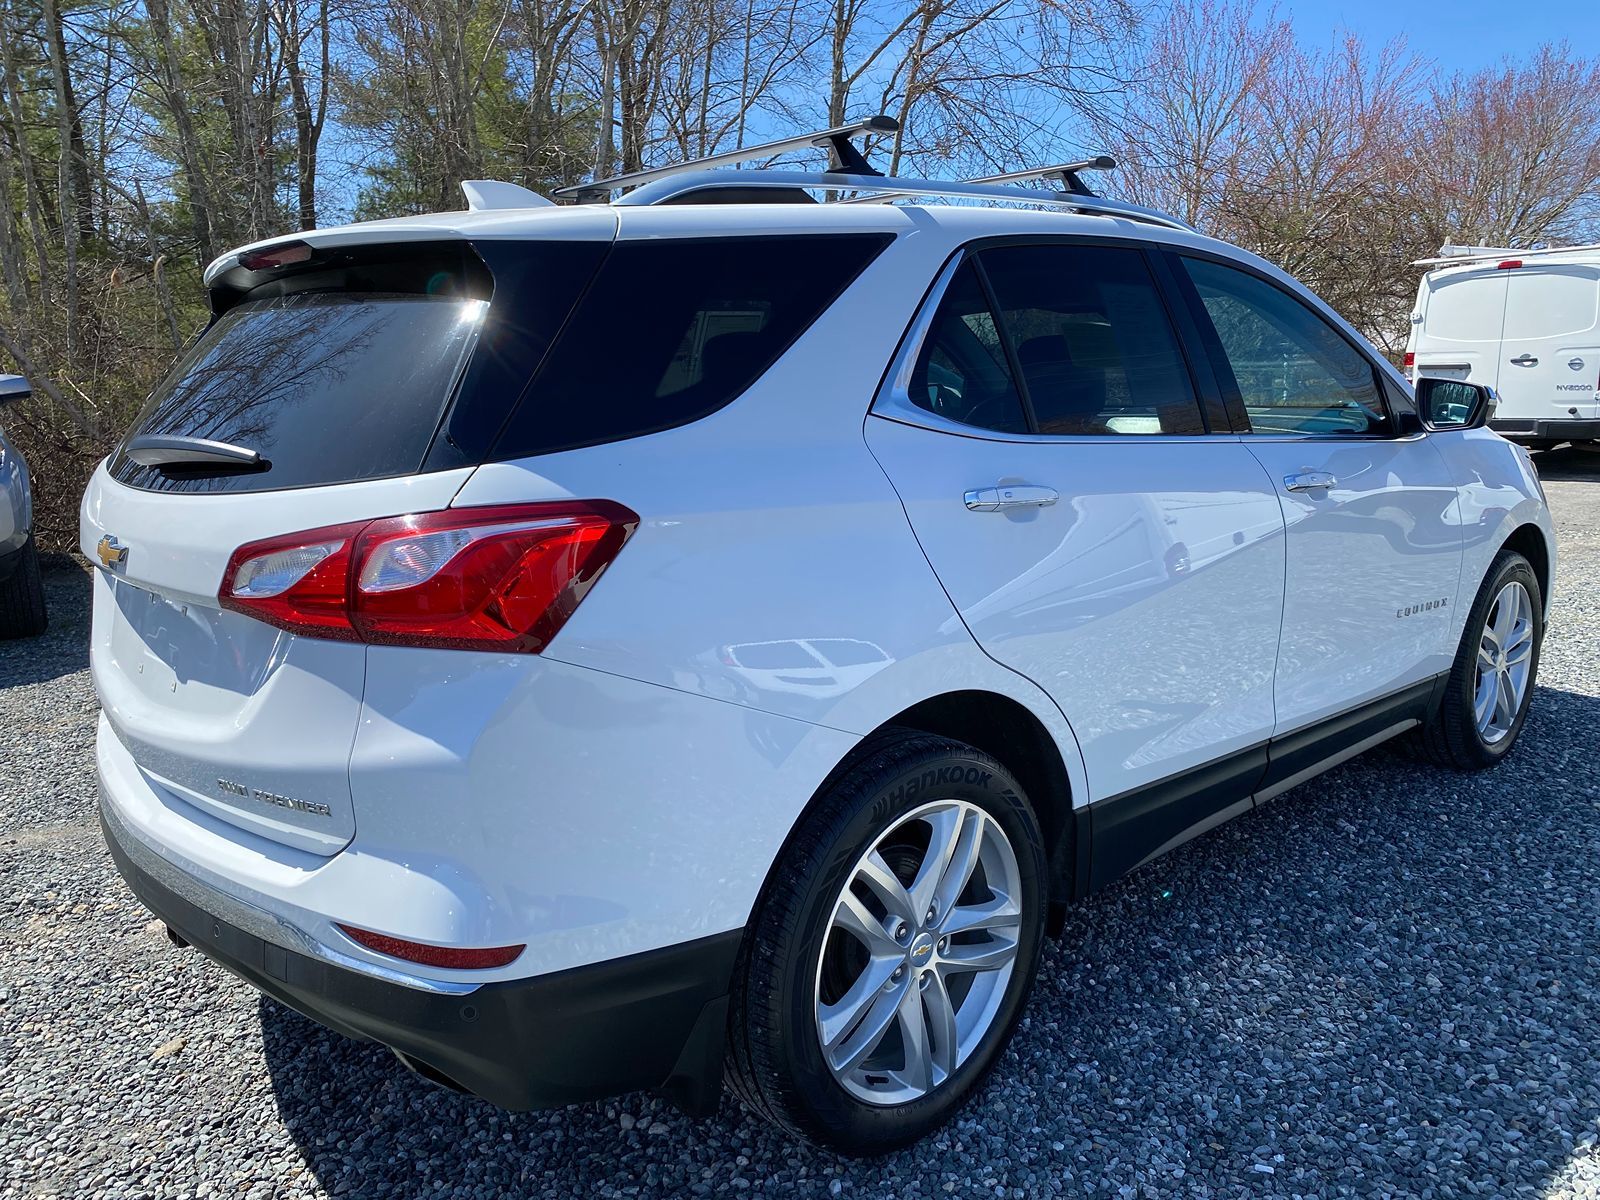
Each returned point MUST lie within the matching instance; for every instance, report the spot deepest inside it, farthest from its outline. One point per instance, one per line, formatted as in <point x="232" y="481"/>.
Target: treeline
<point x="141" y="138"/>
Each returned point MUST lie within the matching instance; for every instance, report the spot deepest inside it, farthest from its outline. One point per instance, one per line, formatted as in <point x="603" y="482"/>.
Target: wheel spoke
<point x="998" y="912"/>
<point x="941" y="1023"/>
<point x="1488" y="654"/>
<point x="861" y="1041"/>
<point x="944" y="834"/>
<point x="980" y="956"/>
<point x="1504" y="615"/>
<point x="1520" y="647"/>
<point x="839" y="1018"/>
<point x="886" y="886"/>
<point x="854" y="917"/>
<point x="1504" y="700"/>
<point x="1483" y="701"/>
<point x="964" y="858"/>
<point x="918" y="1069"/>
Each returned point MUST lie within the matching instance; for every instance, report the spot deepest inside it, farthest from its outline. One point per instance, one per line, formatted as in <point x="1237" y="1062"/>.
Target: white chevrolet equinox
<point x="713" y="633"/>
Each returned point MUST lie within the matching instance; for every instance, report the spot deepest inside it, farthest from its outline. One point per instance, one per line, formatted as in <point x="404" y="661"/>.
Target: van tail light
<point x="504" y="577"/>
<point x="1411" y="358"/>
<point x="1509" y="264"/>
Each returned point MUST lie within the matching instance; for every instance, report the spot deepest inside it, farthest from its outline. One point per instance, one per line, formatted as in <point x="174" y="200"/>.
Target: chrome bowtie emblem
<point x="109" y="552"/>
<point x="1575" y="363"/>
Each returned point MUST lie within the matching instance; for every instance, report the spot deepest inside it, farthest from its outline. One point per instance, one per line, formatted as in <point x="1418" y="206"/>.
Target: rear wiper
<point x="168" y="450"/>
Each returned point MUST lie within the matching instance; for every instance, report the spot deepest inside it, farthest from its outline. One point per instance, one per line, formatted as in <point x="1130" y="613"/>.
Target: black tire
<point x="1450" y="738"/>
<point x="22" y="596"/>
<point x="775" y="1059"/>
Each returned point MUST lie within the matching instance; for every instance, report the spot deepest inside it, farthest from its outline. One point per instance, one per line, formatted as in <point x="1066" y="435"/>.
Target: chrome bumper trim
<point x="214" y="896"/>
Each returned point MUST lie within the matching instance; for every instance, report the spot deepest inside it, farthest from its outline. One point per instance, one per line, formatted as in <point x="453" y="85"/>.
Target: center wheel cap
<point x="921" y="952"/>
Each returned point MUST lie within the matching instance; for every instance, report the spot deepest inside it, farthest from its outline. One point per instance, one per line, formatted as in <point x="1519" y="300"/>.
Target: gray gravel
<point x="1384" y="983"/>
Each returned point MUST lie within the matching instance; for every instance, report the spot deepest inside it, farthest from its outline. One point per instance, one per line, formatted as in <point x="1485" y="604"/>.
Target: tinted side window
<point x="962" y="373"/>
<point x="1093" y="341"/>
<point x="1295" y="373"/>
<point x="672" y="330"/>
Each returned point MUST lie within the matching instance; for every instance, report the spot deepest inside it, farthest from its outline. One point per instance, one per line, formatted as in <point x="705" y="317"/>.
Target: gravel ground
<point x="1384" y="983"/>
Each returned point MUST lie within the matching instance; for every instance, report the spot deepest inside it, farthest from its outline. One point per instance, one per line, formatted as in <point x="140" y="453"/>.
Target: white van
<point x="1525" y="322"/>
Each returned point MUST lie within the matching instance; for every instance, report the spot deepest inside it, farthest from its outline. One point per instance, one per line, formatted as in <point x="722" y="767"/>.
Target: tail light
<point x="1509" y="264"/>
<point x="1411" y="358"/>
<point x="504" y="578"/>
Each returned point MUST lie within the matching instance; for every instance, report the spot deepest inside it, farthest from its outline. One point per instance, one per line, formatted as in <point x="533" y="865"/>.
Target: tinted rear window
<point x="327" y="388"/>
<point x="672" y="330"/>
<point x="342" y="368"/>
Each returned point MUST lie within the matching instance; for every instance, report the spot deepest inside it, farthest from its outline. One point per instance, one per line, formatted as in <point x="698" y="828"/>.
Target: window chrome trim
<point x="893" y="401"/>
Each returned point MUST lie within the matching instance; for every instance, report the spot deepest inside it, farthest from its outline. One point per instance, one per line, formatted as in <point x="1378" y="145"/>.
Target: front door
<point x="1054" y="464"/>
<point x="1374" y="536"/>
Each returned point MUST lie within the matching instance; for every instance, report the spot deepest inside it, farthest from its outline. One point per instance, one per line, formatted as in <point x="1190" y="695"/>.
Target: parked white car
<point x="619" y="645"/>
<point x="1524" y="322"/>
<point x="22" y="609"/>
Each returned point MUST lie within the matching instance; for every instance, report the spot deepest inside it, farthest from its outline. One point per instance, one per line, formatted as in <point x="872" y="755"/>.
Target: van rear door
<point x="1550" y="347"/>
<point x="1462" y="315"/>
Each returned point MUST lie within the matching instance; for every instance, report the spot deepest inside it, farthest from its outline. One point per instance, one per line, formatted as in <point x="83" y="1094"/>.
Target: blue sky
<point x="1466" y="34"/>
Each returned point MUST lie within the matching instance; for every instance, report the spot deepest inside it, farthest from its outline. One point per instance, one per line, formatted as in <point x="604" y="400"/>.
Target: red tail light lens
<point x="461" y="958"/>
<point x="505" y="577"/>
<point x="1411" y="359"/>
<point x="1510" y="264"/>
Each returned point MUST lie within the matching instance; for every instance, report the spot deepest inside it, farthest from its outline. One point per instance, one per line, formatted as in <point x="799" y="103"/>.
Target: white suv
<point x="615" y="645"/>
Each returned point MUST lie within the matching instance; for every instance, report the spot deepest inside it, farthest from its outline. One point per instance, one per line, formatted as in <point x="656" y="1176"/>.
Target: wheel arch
<point x="1529" y="541"/>
<point x="1008" y="730"/>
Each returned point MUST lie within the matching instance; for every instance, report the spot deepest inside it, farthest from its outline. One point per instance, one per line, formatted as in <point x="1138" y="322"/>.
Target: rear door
<point x="338" y="374"/>
<point x="1044" y="434"/>
<point x="1550" y="348"/>
<point x="1462" y="312"/>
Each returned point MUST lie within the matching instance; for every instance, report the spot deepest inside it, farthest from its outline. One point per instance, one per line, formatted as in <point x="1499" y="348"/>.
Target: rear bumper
<point x="1565" y="429"/>
<point x="652" y="1020"/>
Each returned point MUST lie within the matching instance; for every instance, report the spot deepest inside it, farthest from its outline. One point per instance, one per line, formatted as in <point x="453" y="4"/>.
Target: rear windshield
<point x="672" y="330"/>
<point x="328" y="388"/>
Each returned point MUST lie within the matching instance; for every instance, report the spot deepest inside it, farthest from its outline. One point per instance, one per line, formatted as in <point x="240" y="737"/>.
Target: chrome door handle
<point x="1014" y="495"/>
<point x="1525" y="360"/>
<point x="1309" y="481"/>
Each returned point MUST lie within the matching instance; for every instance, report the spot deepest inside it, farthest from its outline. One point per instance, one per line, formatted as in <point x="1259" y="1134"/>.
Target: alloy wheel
<point x="918" y="952"/>
<point x="1505" y="659"/>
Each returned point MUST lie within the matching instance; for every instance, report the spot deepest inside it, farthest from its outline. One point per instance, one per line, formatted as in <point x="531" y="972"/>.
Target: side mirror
<point x="1454" y="403"/>
<point x="14" y="388"/>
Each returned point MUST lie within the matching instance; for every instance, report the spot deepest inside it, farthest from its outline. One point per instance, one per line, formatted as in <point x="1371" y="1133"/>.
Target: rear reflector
<point x="470" y="958"/>
<point x="504" y="577"/>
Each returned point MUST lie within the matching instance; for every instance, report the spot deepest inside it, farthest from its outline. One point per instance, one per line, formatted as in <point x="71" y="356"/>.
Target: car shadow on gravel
<point x="1569" y="463"/>
<point x="1384" y="981"/>
<point x="63" y="648"/>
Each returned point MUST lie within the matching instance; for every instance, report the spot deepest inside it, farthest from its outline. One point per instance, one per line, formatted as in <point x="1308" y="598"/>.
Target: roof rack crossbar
<point x="1067" y="173"/>
<point x="1485" y="253"/>
<point x="843" y="156"/>
<point x="662" y="191"/>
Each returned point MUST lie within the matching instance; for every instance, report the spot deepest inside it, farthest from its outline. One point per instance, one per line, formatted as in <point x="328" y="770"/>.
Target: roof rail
<point x="1475" y="254"/>
<point x="842" y="157"/>
<point x="666" y="190"/>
